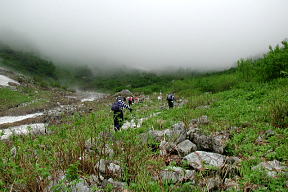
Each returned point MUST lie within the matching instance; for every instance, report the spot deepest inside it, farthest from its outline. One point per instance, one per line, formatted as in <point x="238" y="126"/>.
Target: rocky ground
<point x="18" y="119"/>
<point x="189" y="155"/>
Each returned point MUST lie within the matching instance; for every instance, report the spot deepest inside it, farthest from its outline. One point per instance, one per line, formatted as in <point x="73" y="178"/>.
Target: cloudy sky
<point x="146" y="34"/>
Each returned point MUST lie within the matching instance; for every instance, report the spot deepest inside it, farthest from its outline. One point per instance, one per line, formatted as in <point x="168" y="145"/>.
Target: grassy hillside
<point x="249" y="105"/>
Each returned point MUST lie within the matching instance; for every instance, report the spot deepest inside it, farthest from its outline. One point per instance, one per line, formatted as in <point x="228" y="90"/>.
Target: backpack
<point x="115" y="107"/>
<point x="170" y="97"/>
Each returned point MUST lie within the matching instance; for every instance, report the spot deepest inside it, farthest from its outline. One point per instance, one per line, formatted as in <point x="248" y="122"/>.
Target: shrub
<point x="279" y="113"/>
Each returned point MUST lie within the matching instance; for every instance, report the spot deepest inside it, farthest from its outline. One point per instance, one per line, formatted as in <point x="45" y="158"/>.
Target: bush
<point x="273" y="65"/>
<point x="279" y="113"/>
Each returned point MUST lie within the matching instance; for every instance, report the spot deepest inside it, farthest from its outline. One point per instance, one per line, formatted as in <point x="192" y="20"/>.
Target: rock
<point x="232" y="185"/>
<point x="179" y="126"/>
<point x="81" y="186"/>
<point x="95" y="179"/>
<point x="13" y="84"/>
<point x="203" y="119"/>
<point x="233" y="160"/>
<point x="89" y="144"/>
<point x="167" y="148"/>
<point x="213" y="183"/>
<point x="108" y="150"/>
<point x="74" y="186"/>
<point x="199" y="159"/>
<point x="124" y="92"/>
<point x="13" y="151"/>
<point x="109" y="168"/>
<point x="117" y="186"/>
<point x="215" y="143"/>
<point x="269" y="133"/>
<point x="176" y="175"/>
<point x="219" y="143"/>
<point x="272" y="168"/>
<point x="186" y="147"/>
<point x="202" y="141"/>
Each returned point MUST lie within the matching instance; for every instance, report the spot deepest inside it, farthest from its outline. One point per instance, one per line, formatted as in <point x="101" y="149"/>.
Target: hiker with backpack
<point x="117" y="108"/>
<point x="130" y="100"/>
<point x="170" y="100"/>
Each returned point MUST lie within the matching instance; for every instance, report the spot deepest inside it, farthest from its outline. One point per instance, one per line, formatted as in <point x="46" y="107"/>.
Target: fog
<point x="145" y="34"/>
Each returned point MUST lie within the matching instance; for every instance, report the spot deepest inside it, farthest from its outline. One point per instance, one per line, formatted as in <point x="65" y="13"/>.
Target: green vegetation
<point x="249" y="102"/>
<point x="10" y="98"/>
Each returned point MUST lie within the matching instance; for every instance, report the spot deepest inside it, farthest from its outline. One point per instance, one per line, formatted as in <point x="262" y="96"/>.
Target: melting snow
<point x="4" y="80"/>
<point x="90" y="96"/>
<point x="12" y="119"/>
<point x="38" y="128"/>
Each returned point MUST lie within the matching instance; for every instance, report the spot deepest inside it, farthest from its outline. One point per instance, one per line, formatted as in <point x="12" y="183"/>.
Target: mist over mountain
<point x="149" y="35"/>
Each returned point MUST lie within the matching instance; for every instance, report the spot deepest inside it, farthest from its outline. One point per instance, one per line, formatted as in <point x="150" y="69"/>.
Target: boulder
<point x="219" y="143"/>
<point x="176" y="175"/>
<point x="177" y="134"/>
<point x="200" y="159"/>
<point x="215" y="143"/>
<point x="203" y="142"/>
<point x="186" y="147"/>
<point x="167" y="148"/>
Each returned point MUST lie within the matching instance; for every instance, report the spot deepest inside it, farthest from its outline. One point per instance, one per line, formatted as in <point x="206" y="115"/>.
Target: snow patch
<point x="4" y="80"/>
<point x="12" y="119"/>
<point x="90" y="96"/>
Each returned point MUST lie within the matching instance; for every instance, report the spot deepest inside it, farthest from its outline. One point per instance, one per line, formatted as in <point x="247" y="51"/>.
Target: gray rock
<point x="91" y="145"/>
<point x="109" y="168"/>
<point x="199" y="159"/>
<point x="213" y="183"/>
<point x="117" y="186"/>
<point x="269" y="133"/>
<point x="95" y="179"/>
<point x="176" y="175"/>
<point x="80" y="186"/>
<point x="13" y="151"/>
<point x="179" y="126"/>
<point x="272" y="168"/>
<point x="159" y="135"/>
<point x="167" y="148"/>
<point x="233" y="160"/>
<point x="124" y="92"/>
<point x="168" y="135"/>
<point x="219" y="143"/>
<point x="202" y="141"/>
<point x="203" y="119"/>
<point x="74" y="186"/>
<point x="186" y="147"/>
<point x="232" y="185"/>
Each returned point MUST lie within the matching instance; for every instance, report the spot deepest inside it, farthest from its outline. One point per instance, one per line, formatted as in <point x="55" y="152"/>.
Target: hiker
<point x="171" y="99"/>
<point x="130" y="100"/>
<point x="118" y="116"/>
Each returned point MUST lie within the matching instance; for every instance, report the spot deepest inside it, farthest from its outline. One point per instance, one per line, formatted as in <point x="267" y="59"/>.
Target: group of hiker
<point x="118" y="106"/>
